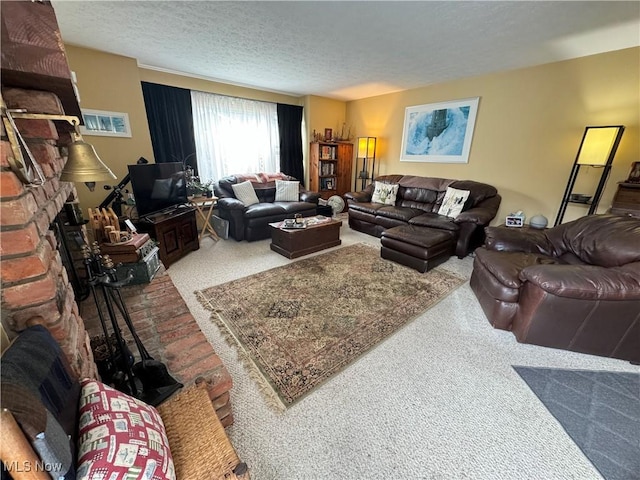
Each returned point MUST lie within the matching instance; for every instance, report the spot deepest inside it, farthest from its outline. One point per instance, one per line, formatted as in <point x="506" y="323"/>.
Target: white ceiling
<point x="347" y="50"/>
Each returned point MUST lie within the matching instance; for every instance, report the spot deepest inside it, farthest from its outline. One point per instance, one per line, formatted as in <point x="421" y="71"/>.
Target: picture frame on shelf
<point x="105" y="123"/>
<point x="439" y="132"/>
<point x="514" y="221"/>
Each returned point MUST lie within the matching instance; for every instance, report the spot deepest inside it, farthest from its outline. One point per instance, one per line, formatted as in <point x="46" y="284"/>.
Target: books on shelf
<point x="327" y="168"/>
<point x="327" y="152"/>
<point x="327" y="183"/>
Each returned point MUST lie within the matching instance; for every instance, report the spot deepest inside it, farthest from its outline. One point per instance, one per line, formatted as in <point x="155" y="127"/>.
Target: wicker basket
<point x="199" y="444"/>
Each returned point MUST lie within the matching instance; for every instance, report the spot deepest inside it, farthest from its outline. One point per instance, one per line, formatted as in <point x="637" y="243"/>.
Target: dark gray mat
<point x="599" y="410"/>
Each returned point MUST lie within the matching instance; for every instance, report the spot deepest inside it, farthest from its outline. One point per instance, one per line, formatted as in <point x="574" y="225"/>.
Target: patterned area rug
<point x="301" y="323"/>
<point x="599" y="410"/>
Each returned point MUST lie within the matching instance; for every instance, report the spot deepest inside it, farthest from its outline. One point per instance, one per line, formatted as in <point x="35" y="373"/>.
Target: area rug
<point x="301" y="323"/>
<point x="599" y="410"/>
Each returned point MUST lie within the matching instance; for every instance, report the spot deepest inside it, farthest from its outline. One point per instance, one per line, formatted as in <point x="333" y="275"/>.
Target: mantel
<point x="33" y="55"/>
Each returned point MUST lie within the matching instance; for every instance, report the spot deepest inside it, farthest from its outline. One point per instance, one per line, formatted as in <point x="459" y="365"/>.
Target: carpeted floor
<point x="301" y="323"/>
<point x="438" y="399"/>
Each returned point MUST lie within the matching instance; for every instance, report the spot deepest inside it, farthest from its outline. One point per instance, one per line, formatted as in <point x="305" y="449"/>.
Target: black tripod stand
<point x="147" y="379"/>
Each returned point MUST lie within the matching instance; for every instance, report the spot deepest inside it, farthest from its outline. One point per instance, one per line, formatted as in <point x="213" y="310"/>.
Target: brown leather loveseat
<point x="252" y="222"/>
<point x="574" y="287"/>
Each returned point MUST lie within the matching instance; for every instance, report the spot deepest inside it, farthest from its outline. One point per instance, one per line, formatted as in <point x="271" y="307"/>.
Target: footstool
<point x="420" y="248"/>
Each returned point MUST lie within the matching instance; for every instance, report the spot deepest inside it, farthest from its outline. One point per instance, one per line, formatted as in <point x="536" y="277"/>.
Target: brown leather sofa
<point x="252" y="222"/>
<point x="574" y="287"/>
<point x="417" y="203"/>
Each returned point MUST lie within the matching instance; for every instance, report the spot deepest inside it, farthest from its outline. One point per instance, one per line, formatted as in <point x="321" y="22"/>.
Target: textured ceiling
<point x="346" y="50"/>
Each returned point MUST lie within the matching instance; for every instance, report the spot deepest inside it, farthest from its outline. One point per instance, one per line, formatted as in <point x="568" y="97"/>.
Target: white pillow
<point x="245" y="193"/>
<point x="385" y="193"/>
<point x="287" y="191"/>
<point x="453" y="202"/>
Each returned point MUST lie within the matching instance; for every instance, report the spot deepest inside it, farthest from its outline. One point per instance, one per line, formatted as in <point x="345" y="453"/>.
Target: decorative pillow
<point x="453" y="202"/>
<point x="385" y="193"/>
<point x="245" y="193"/>
<point x="41" y="393"/>
<point x="120" y="437"/>
<point x="287" y="191"/>
<point x="260" y="177"/>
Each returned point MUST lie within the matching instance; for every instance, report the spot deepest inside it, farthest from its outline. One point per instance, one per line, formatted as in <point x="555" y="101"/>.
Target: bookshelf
<point x="330" y="168"/>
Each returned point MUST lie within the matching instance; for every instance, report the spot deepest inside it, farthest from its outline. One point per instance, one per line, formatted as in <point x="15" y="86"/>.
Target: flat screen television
<point x="158" y="186"/>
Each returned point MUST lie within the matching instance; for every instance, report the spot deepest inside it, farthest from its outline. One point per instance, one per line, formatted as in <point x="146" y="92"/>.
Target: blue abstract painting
<point x="439" y="132"/>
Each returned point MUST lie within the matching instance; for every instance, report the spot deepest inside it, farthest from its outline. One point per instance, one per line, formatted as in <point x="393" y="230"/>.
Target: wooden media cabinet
<point x="175" y="231"/>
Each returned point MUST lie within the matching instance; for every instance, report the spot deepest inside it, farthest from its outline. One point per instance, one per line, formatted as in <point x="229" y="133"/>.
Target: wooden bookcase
<point x="330" y="168"/>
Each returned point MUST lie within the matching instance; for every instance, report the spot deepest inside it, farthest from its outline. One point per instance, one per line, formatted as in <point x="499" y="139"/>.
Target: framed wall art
<point x="103" y="123"/>
<point x="439" y="132"/>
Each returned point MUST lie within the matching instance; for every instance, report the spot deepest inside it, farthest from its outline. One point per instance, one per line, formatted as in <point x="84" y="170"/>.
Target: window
<point x="234" y="135"/>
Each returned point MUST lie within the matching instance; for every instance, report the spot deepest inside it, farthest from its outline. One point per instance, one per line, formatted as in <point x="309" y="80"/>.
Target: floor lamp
<point x="366" y="152"/>
<point x="597" y="149"/>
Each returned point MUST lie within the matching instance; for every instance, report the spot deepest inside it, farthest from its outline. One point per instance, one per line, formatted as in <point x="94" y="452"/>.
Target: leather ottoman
<point x="420" y="248"/>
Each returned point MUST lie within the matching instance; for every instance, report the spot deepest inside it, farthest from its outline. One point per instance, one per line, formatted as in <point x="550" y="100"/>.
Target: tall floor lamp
<point x="366" y="152"/>
<point x="597" y="149"/>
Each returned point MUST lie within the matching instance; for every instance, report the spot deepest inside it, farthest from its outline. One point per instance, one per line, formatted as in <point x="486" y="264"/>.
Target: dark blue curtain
<point x="290" y="129"/>
<point x="170" y="123"/>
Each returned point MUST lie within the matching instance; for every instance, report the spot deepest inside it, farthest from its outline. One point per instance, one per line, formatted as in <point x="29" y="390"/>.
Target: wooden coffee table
<point x="294" y="243"/>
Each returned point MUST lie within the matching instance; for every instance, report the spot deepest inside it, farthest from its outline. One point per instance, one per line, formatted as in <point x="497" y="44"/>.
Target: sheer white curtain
<point x="234" y="135"/>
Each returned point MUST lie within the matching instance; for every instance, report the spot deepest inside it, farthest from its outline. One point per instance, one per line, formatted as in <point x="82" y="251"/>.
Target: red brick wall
<point x="35" y="285"/>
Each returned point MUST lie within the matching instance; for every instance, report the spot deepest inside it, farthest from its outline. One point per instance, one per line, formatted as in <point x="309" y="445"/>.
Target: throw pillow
<point x="245" y="193"/>
<point x="287" y="191"/>
<point x="41" y="393"/>
<point x="385" y="193"/>
<point x="453" y="202"/>
<point x="120" y="436"/>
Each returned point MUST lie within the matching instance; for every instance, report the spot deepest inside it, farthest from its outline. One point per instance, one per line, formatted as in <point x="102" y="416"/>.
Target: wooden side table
<point x="526" y="226"/>
<point x="626" y="200"/>
<point x="204" y="206"/>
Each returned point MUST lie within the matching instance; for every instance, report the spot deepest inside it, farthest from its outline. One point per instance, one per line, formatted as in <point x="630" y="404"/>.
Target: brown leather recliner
<point x="574" y="287"/>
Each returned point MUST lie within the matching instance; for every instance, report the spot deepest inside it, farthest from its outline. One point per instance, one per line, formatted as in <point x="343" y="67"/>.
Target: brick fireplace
<point x="36" y="288"/>
<point x="35" y="285"/>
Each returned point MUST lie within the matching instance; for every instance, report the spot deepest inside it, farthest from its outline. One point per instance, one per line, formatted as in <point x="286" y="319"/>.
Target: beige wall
<point x="321" y="113"/>
<point x="111" y="82"/>
<point x="528" y="129"/>
<point x="175" y="80"/>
